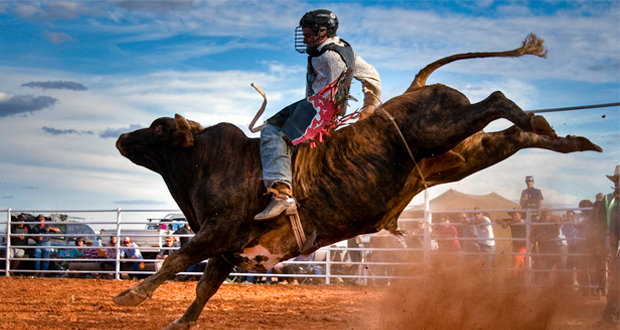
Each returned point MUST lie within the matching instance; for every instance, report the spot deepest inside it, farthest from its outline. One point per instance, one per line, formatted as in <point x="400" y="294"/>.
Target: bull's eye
<point x="157" y="129"/>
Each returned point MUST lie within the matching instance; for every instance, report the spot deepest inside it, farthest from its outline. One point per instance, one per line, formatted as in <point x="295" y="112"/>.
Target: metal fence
<point x="337" y="263"/>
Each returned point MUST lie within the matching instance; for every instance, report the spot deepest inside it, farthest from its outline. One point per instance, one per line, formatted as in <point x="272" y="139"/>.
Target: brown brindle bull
<point x="357" y="182"/>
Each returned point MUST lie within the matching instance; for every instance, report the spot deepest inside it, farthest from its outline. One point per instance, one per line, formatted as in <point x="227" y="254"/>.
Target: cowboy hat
<point x="616" y="175"/>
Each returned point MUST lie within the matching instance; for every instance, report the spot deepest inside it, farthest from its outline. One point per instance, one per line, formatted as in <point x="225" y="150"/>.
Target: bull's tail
<point x="532" y="45"/>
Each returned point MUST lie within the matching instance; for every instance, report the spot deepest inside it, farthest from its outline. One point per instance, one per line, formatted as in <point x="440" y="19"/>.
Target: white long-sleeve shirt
<point x="329" y="66"/>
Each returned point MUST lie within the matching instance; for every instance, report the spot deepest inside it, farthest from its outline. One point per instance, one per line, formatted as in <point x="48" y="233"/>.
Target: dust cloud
<point x="457" y="297"/>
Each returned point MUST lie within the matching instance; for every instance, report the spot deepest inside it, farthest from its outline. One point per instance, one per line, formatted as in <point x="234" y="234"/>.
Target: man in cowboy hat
<point x="611" y="314"/>
<point x="609" y="199"/>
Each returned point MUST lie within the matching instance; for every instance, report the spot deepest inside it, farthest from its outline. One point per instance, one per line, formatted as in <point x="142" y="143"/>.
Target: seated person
<point x="90" y="252"/>
<point x="110" y="252"/>
<point x="76" y="253"/>
<point x="165" y="252"/>
<point x="132" y="251"/>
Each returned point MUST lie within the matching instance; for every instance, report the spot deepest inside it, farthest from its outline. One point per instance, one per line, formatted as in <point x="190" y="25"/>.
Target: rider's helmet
<point x="318" y="20"/>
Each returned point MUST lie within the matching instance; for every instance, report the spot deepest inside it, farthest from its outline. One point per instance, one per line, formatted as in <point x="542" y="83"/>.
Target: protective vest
<point x="343" y="84"/>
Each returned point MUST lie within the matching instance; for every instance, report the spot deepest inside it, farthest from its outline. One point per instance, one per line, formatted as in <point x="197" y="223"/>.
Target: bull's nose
<point x="118" y="143"/>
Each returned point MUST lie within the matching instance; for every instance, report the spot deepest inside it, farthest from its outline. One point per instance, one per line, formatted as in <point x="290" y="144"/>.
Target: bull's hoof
<point x="178" y="325"/>
<point x="130" y="297"/>
<point x="540" y="126"/>
<point x="584" y="144"/>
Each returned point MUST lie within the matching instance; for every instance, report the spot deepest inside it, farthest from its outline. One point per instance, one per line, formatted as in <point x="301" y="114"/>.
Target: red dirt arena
<point x="442" y="302"/>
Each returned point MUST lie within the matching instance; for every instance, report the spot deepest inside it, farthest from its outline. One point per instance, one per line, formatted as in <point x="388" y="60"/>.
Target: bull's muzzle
<point x="119" y="145"/>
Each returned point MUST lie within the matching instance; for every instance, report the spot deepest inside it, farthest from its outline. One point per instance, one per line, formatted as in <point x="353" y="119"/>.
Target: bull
<point x="357" y="182"/>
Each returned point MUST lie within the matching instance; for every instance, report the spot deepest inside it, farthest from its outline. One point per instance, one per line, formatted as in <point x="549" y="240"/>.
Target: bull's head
<point x="146" y="146"/>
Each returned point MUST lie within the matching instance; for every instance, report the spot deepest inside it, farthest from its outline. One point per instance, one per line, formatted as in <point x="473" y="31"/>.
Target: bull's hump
<point x="226" y="130"/>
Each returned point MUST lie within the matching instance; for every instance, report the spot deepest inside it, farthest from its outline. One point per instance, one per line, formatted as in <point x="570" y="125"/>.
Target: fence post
<point x="117" y="263"/>
<point x="7" y="252"/>
<point x="328" y="259"/>
<point x="528" y="248"/>
<point x="427" y="233"/>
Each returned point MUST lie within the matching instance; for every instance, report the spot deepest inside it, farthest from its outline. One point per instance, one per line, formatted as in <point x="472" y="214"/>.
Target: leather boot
<point x="282" y="199"/>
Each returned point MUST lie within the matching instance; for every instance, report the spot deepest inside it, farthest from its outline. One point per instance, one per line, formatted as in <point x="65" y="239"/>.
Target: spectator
<point x="89" y="251"/>
<point x="354" y="257"/>
<point x="199" y="267"/>
<point x="18" y="238"/>
<point x="518" y="233"/>
<point x="185" y="230"/>
<point x="611" y="314"/>
<point x="42" y="242"/>
<point x="575" y="236"/>
<point x="470" y="234"/>
<point x="384" y="240"/>
<point x="75" y="253"/>
<point x="595" y="228"/>
<point x="448" y="244"/>
<point x="250" y="279"/>
<point x="110" y="253"/>
<point x="164" y="253"/>
<point x="531" y="198"/>
<point x="132" y="251"/>
<point x="609" y="200"/>
<point x="486" y="240"/>
<point x="415" y="240"/>
<point x="548" y="238"/>
<point x="304" y="269"/>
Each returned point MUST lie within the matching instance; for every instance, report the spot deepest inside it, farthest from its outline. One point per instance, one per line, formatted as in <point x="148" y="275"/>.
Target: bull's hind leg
<point x="216" y="272"/>
<point x="442" y="128"/>
<point x="498" y="106"/>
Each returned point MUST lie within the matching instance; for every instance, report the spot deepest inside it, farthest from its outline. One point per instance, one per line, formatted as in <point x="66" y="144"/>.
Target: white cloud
<point x="58" y="38"/>
<point x="27" y="10"/>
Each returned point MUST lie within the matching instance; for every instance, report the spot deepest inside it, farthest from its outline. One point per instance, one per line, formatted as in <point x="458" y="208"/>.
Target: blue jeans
<point x="42" y="253"/>
<point x="275" y="156"/>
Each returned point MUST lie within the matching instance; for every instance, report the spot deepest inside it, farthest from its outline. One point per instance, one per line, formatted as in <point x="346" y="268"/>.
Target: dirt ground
<point x="42" y="303"/>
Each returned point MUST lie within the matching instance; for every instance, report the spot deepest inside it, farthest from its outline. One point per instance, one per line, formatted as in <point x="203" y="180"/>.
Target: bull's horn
<point x="182" y="123"/>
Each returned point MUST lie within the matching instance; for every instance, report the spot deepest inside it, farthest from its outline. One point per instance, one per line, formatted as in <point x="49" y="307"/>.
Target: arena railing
<point x="361" y="269"/>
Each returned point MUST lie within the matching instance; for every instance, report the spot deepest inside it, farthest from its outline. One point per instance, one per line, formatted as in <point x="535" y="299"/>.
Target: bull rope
<point x="389" y="116"/>
<point x="402" y="137"/>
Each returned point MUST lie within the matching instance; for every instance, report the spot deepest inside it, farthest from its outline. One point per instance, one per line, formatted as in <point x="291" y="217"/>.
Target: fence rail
<point x="360" y="264"/>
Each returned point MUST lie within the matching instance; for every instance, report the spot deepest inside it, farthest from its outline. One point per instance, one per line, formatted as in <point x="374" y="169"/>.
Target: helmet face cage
<point x="299" y="40"/>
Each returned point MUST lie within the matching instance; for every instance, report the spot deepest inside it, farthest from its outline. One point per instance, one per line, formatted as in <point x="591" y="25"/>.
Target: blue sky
<point x="74" y="75"/>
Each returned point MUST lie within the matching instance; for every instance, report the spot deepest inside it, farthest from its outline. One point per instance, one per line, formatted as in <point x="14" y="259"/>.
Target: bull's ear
<point x="184" y="138"/>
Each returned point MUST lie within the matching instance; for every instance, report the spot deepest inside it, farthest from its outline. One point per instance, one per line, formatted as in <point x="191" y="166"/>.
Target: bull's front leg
<point x="195" y="251"/>
<point x="214" y="275"/>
